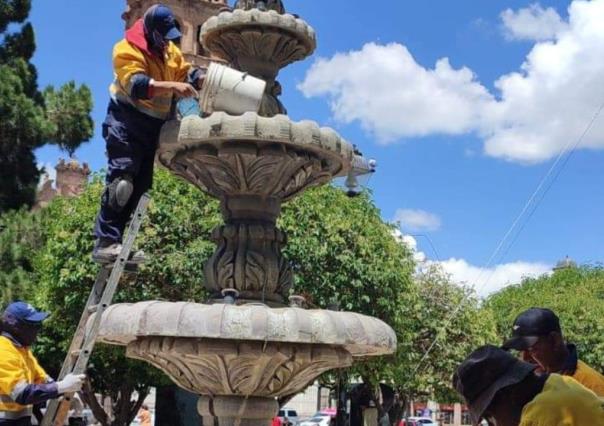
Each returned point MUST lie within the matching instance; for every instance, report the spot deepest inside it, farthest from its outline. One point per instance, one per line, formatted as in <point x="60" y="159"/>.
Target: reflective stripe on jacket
<point x="18" y="369"/>
<point x="132" y="57"/>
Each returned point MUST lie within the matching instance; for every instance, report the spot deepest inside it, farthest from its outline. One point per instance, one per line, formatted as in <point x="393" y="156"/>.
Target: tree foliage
<point x="68" y="111"/>
<point x="26" y="122"/>
<point x="20" y="238"/>
<point x="451" y="317"/>
<point x="576" y="295"/>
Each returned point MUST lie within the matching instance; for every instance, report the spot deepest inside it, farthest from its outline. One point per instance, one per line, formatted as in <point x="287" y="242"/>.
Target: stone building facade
<point x="70" y="182"/>
<point x="190" y="15"/>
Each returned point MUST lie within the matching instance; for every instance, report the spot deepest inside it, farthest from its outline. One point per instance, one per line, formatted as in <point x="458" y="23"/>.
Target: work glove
<point x="71" y="383"/>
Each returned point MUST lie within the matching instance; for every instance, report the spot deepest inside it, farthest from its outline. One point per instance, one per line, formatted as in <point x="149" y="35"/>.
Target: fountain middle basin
<point x="230" y="353"/>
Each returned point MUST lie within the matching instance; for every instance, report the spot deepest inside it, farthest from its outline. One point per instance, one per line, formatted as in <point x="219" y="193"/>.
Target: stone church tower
<point x="72" y="179"/>
<point x="190" y="15"/>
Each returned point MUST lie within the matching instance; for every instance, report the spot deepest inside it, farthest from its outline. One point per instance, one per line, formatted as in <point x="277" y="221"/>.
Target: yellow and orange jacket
<point x="21" y="381"/>
<point x="582" y="372"/>
<point x="563" y="402"/>
<point x="134" y="65"/>
<point x="589" y="378"/>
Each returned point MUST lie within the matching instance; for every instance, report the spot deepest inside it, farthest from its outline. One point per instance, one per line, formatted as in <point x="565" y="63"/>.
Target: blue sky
<point x="458" y="153"/>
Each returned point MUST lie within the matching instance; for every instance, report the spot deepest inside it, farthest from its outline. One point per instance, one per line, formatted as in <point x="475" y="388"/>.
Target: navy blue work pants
<point x="24" y="421"/>
<point x="132" y="138"/>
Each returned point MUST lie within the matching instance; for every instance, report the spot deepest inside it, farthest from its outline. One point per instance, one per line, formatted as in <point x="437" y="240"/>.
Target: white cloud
<point x="417" y="220"/>
<point x="392" y="96"/>
<point x="484" y="280"/>
<point x="489" y="280"/>
<point x="532" y="23"/>
<point x="534" y="113"/>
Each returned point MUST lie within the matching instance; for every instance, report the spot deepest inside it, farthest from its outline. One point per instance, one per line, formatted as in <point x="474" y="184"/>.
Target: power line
<point x="530" y="206"/>
<point x="427" y="237"/>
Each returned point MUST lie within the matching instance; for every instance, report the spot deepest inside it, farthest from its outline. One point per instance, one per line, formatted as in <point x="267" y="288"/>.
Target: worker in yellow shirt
<point x="538" y="334"/>
<point x="506" y="391"/>
<point x="23" y="382"/>
<point x="150" y="71"/>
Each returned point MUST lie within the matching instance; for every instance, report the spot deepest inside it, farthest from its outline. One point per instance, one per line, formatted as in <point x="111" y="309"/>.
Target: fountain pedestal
<point x="237" y="410"/>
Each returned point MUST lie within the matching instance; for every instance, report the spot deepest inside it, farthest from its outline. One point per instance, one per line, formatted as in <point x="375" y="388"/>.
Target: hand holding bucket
<point x="234" y="92"/>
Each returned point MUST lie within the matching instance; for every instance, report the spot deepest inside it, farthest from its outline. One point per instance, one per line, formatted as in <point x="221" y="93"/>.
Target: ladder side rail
<point x="78" y="338"/>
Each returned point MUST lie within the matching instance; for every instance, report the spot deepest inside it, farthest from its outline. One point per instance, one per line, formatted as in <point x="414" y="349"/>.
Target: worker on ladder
<point x="23" y="382"/>
<point x="150" y="70"/>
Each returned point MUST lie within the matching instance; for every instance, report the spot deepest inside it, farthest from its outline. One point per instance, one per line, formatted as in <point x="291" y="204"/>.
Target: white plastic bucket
<point x="231" y="91"/>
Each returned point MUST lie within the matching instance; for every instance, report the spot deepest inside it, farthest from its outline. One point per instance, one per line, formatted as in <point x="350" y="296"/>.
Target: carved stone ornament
<point x="276" y="5"/>
<point x="214" y="367"/>
<point x="249" y="259"/>
<point x="258" y="42"/>
<point x="274" y="157"/>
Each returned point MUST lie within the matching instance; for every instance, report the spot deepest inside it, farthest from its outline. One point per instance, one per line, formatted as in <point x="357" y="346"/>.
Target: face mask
<point x="28" y="333"/>
<point x="23" y="332"/>
<point x="159" y="44"/>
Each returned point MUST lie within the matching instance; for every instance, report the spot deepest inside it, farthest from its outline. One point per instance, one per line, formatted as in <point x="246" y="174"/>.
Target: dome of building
<point x="566" y="263"/>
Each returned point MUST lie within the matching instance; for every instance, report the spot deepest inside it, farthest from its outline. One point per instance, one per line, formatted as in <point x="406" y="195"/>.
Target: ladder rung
<point x="94" y="308"/>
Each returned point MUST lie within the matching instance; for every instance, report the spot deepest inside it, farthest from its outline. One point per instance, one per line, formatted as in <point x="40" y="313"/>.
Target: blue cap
<point x="161" y="19"/>
<point x="25" y="312"/>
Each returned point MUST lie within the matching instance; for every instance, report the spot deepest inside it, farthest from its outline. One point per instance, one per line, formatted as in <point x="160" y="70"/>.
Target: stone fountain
<point x="252" y="343"/>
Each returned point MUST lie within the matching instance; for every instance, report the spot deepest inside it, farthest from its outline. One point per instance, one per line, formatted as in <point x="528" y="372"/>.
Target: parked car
<point x="319" y="419"/>
<point x="289" y="414"/>
<point x="423" y="421"/>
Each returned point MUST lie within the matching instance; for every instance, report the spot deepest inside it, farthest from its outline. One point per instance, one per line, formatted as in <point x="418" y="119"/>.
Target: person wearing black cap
<point x="506" y="391"/>
<point x="537" y="333"/>
<point x="150" y="70"/>
<point x="23" y="383"/>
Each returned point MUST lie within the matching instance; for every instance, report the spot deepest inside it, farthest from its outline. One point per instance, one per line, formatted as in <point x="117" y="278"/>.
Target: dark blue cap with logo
<point x="161" y="19"/>
<point x="22" y="311"/>
<point x="530" y="325"/>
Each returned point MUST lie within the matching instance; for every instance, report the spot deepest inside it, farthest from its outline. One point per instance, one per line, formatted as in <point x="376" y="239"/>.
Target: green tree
<point x="446" y="322"/>
<point x="26" y="122"/>
<point x="451" y="317"/>
<point x="344" y="254"/>
<point x="21" y="236"/>
<point x="576" y="295"/>
<point x="68" y="111"/>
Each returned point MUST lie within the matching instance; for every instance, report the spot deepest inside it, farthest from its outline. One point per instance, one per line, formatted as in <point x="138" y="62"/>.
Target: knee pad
<point x="120" y="191"/>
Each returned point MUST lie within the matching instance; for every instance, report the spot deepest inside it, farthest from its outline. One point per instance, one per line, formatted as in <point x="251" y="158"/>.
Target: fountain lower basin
<point x="242" y="358"/>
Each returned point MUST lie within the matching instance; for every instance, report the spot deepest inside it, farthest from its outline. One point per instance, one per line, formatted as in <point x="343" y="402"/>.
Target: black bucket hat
<point x="486" y="371"/>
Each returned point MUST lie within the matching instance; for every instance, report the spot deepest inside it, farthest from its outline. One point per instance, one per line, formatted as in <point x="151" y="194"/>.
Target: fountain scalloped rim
<point x="358" y="334"/>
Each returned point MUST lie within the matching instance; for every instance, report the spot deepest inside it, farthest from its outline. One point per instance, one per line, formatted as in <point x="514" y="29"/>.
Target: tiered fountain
<point x="251" y="343"/>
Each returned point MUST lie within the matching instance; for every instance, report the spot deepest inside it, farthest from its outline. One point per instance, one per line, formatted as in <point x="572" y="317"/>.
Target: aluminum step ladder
<point x="101" y="297"/>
